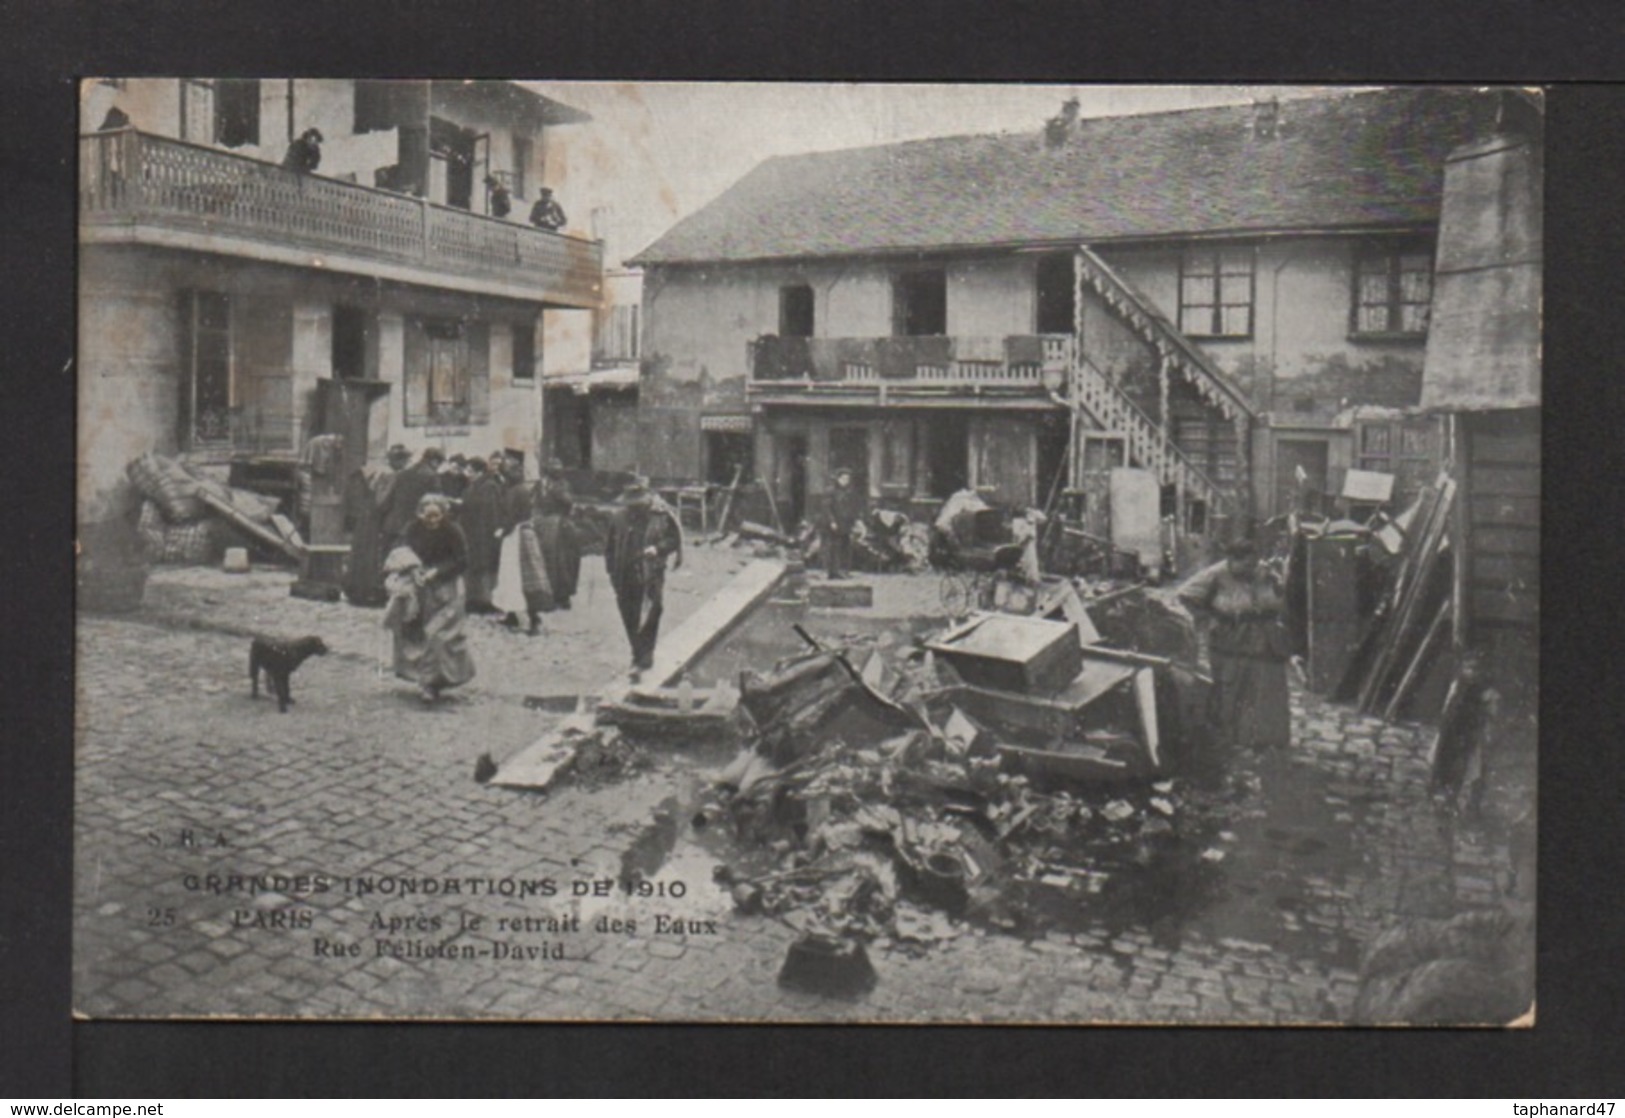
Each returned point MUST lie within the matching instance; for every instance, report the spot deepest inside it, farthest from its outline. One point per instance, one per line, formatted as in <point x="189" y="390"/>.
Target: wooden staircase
<point x="1149" y="444"/>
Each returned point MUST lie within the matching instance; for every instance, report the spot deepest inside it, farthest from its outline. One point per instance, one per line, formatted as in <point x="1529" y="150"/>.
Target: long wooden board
<point x="549" y="756"/>
<point x="706" y="626"/>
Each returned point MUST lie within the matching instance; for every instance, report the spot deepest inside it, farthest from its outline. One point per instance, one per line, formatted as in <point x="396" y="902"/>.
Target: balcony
<point x="914" y="367"/>
<point x="140" y="188"/>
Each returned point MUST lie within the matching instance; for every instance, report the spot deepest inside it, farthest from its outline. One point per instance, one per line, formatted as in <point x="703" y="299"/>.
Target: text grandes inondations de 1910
<point x="455" y="916"/>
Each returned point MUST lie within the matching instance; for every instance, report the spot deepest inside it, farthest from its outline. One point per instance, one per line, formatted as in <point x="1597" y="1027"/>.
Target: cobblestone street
<point x="182" y="776"/>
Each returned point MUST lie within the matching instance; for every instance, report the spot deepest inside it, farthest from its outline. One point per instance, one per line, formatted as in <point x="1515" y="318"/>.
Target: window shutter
<point x="416" y="395"/>
<point x="479" y="373"/>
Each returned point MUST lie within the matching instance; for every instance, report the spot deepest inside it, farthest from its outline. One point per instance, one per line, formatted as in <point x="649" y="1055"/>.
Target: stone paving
<point x="181" y="776"/>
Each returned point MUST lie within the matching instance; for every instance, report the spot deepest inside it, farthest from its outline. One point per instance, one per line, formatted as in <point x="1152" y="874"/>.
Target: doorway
<point x="849" y="450"/>
<point x="1300" y="458"/>
<point x="1055" y="294"/>
<point x="455" y="155"/>
<point x="947" y="453"/>
<point x="793" y="474"/>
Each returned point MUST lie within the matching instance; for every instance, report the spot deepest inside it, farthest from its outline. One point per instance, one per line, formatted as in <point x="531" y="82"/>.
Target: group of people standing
<point x="435" y="540"/>
<point x="501" y="547"/>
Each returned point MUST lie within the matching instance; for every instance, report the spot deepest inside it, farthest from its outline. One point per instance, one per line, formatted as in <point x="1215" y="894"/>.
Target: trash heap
<point x="868" y="805"/>
<point x="188" y="517"/>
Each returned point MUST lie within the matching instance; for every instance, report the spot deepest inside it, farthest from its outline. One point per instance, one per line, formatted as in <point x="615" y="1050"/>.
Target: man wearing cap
<point x="842" y="510"/>
<point x="411" y="486"/>
<point x="642" y="536"/>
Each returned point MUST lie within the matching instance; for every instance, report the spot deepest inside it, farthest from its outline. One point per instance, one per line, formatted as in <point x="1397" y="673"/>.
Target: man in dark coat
<point x="641" y="537"/>
<point x="481" y="521"/>
<point x="366" y="496"/>
<point x="411" y="486"/>
<point x="546" y="213"/>
<point x="305" y="153"/>
<point x="844" y="507"/>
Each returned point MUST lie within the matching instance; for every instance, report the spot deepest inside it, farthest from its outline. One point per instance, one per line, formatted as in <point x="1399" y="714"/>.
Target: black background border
<point x="1578" y="1047"/>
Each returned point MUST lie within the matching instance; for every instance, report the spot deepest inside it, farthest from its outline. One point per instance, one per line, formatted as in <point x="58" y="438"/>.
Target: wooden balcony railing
<point x="132" y="178"/>
<point x="1022" y="361"/>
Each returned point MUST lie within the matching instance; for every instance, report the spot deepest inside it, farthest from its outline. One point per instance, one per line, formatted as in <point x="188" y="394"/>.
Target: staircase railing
<point x="1148" y="444"/>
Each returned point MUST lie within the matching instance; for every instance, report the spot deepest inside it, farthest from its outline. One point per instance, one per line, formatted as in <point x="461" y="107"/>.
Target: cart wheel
<point x="957" y="593"/>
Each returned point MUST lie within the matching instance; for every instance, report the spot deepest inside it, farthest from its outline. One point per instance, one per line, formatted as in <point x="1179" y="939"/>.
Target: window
<point x="206" y="398"/>
<point x="236" y="112"/>
<point x="1055" y="295"/>
<point x="349" y="342"/>
<point x="447" y="374"/>
<point x="524" y="351"/>
<point x="920" y="303"/>
<point x="618" y="334"/>
<point x="1393" y="290"/>
<point x="374" y="106"/>
<point x="897" y="456"/>
<point x="1216" y="292"/>
<point x="197" y="111"/>
<point x="796" y="311"/>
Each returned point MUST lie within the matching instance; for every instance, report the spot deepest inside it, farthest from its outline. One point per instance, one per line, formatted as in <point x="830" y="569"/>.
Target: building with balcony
<point x="1235" y="298"/>
<point x="231" y="307"/>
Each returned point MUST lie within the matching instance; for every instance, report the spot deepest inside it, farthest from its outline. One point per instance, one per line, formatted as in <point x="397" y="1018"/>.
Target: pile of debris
<point x="188" y="517"/>
<point x="1001" y="772"/>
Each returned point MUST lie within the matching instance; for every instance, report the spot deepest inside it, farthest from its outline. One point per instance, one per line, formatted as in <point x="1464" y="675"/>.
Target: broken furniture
<point x="1026" y="655"/>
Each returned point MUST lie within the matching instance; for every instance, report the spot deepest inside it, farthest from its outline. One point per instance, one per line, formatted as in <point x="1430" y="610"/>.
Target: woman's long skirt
<point x="432" y="650"/>
<point x="509" y="594"/>
<point x="1249" y="705"/>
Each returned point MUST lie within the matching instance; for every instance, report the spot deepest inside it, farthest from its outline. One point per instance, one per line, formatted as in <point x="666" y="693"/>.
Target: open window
<point x="920" y="303"/>
<point x="524" y="351"/>
<point x="796" y="311"/>
<point x="1056" y="294"/>
<point x="237" y="112"/>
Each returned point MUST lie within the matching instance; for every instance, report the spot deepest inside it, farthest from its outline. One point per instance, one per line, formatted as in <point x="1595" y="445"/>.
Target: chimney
<point x="1057" y="128"/>
<point x="1266" y="118"/>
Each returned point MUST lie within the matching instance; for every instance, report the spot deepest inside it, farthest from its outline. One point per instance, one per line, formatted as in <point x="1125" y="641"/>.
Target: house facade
<point x="231" y="308"/>
<point x="1235" y="298"/>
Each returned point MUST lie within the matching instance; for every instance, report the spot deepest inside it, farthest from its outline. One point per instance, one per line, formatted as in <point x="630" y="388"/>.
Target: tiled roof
<point x="1351" y="160"/>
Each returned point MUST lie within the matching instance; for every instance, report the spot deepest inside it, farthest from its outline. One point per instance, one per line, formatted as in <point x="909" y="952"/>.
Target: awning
<point x="735" y="424"/>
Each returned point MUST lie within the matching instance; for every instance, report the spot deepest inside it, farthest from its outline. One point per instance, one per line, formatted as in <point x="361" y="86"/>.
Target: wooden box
<point x="1026" y="655"/>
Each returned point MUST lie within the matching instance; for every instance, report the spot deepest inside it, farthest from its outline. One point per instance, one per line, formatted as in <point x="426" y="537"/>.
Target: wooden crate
<point x="1025" y="655"/>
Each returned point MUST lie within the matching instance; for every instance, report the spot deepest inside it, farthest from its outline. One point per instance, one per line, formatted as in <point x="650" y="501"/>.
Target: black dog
<point x="279" y="660"/>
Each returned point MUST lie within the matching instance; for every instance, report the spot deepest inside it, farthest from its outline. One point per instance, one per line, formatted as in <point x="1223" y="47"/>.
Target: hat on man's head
<point x="843" y="471"/>
<point x="1241" y="549"/>
<point x="433" y="454"/>
<point x="635" y="491"/>
<point x="398" y="453"/>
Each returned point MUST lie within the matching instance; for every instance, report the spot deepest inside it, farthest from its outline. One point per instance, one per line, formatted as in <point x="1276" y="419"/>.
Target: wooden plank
<point x="546" y="758"/>
<point x="1425" y="651"/>
<point x="539" y="763"/>
<point x="1506" y="539"/>
<point x="716" y="619"/>
<point x="1510" y="481"/>
<point x="841" y="594"/>
<point x="1487" y="508"/>
<point x="229" y="511"/>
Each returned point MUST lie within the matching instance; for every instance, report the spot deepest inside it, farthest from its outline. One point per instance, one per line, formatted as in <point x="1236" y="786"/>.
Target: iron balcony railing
<point x="128" y="177"/>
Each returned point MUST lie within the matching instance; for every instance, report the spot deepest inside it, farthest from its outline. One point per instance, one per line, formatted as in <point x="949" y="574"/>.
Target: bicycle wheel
<point x="956" y="592"/>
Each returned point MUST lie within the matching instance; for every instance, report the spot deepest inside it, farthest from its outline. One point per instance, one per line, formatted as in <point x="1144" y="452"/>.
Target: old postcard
<point x="769" y="552"/>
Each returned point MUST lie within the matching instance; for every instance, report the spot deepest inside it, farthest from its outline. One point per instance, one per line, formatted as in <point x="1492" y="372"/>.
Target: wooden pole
<point x="728" y="501"/>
